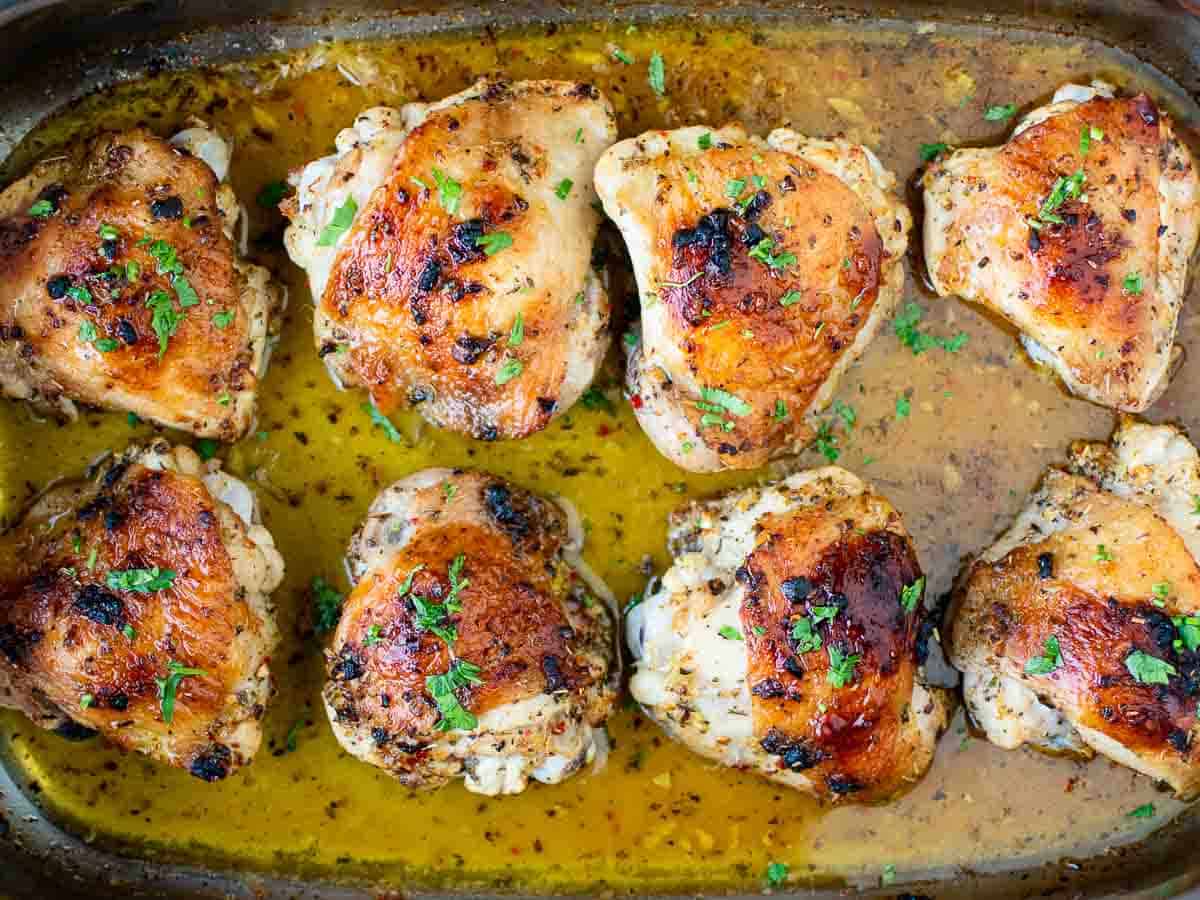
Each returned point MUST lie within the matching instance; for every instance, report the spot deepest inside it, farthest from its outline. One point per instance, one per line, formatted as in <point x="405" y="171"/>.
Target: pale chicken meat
<point x="1078" y="231"/>
<point x="449" y="251"/>
<point x="475" y="642"/>
<point x="789" y="638"/>
<point x="1079" y="630"/>
<point x="764" y="267"/>
<point x="121" y="285"/>
<point x="136" y="603"/>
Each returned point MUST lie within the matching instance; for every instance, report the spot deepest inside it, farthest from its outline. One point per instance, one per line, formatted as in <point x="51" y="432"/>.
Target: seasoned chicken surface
<point x="764" y="267"/>
<point x="789" y="638"/>
<point x="1078" y="231"/>
<point x="136" y="604"/>
<point x="1079" y="630"/>
<point x="473" y="644"/>
<point x="121" y="286"/>
<point x="448" y="247"/>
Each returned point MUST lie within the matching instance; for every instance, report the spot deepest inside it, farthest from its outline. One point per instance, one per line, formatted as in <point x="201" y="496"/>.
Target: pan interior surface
<point x="983" y="425"/>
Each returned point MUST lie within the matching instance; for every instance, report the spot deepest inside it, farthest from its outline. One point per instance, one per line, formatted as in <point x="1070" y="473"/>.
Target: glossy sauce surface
<point x="981" y="426"/>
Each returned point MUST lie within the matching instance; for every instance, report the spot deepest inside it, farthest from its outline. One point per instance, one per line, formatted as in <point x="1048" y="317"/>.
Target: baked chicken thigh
<point x="1079" y="630"/>
<point x="764" y="268"/>
<point x="789" y="638"/>
<point x="449" y="245"/>
<point x="1078" y="231"/>
<point x="121" y="287"/>
<point x="136" y="604"/>
<point x="473" y="644"/>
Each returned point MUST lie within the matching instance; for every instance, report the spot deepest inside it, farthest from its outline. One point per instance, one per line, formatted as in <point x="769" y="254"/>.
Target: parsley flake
<point x="911" y="594"/>
<point x="140" y="581"/>
<point x="1001" y="113"/>
<point x="1050" y="659"/>
<point x="658" y="74"/>
<point x="730" y="633"/>
<point x="509" y="369"/>
<point x="343" y="218"/>
<point x="449" y="191"/>
<point x="1147" y="669"/>
<point x="383" y="422"/>
<point x="493" y="243"/>
<point x="167" y="687"/>
<point x="442" y="689"/>
<point x="562" y="190"/>
<point x="326" y="605"/>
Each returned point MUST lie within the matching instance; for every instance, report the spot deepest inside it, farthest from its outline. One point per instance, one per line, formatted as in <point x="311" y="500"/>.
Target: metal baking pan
<point x="81" y="820"/>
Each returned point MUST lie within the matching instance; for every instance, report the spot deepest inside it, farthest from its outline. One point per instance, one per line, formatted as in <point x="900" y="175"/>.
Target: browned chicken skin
<point x="1078" y="231"/>
<point x="1079" y="631"/>
<point x="765" y="267"/>
<point x="788" y="638"/>
<point x="464" y="286"/>
<point x="462" y="572"/>
<point x="120" y="287"/>
<point x="136" y="604"/>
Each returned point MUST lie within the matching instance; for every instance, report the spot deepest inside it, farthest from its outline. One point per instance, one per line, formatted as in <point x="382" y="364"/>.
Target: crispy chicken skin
<point x="424" y="301"/>
<point x="128" y="233"/>
<point x="789" y="638"/>
<point x="1078" y="630"/>
<point x="764" y="267"/>
<point x="81" y="654"/>
<point x="1094" y="287"/>
<point x="524" y="612"/>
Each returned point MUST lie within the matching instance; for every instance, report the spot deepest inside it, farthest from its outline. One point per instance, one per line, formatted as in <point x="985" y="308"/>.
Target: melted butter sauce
<point x="983" y="426"/>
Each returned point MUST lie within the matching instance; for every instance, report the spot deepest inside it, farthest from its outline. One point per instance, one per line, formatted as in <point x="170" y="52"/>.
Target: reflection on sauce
<point x="982" y="426"/>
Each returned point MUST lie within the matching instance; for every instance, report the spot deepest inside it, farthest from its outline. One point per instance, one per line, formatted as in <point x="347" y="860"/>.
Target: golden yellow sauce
<point x="982" y="427"/>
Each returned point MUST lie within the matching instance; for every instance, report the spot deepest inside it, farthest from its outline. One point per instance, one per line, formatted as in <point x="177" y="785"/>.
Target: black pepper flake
<point x="212" y="764"/>
<point x="99" y="605"/>
<point x="429" y="276"/>
<point x="58" y="286"/>
<point x="1045" y="564"/>
<point x="167" y="208"/>
<point x="109" y="249"/>
<point x="796" y="590"/>
<point x="1035" y="242"/>
<point x="1129" y="215"/>
<point x="555" y="680"/>
<point x="127" y="332"/>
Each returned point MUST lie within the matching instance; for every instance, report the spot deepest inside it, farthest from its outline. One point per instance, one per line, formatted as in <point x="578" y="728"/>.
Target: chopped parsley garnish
<point x="271" y="193"/>
<point x="407" y="583"/>
<point x="1189" y="632"/>
<point x="442" y="689"/>
<point x="79" y="293"/>
<point x="290" y="741"/>
<point x="1001" y="113"/>
<point x="1064" y="189"/>
<point x="906" y="326"/>
<point x="1088" y="134"/>
<point x="41" y="209"/>
<point x="129" y="631"/>
<point x="594" y="398"/>
<point x="86" y="701"/>
<point x="206" y="448"/>
<point x="1147" y="669"/>
<point x="140" y="581"/>
<point x="903" y="407"/>
<point x="493" y="243"/>
<point x="223" y="318"/>
<point x="734" y="188"/>
<point x="374" y="636"/>
<point x="827" y="442"/>
<point x="658" y="74"/>
<point x="841" y="666"/>
<point x="777" y="874"/>
<point x="343" y="218"/>
<point x="164" y="319"/>
<point x="845" y="412"/>
<point x="888" y="875"/>
<point x="327" y="605"/>
<point x="790" y="297"/>
<point x="562" y="190"/>
<point x="1161" y="590"/>
<point x="824" y="613"/>
<point x="433" y="617"/>
<point x="1145" y="811"/>
<point x="133" y="271"/>
<point x="1132" y="283"/>
<point x="509" y="369"/>
<point x="383" y="422"/>
<point x="805" y="636"/>
<point x="1102" y="554"/>
<point x="1050" y="659"/>
<point x="730" y="633"/>
<point x="87" y="331"/>
<point x="449" y="191"/>
<point x="762" y="252"/>
<point x="167" y="687"/>
<point x="930" y="152"/>
<point x="780" y="413"/>
<point x="911" y="595"/>
<point x="704" y="142"/>
<point x="517" y="334"/>
<point x="107" y="232"/>
<point x="723" y="400"/>
<point x="579" y="135"/>
<point x="622" y="57"/>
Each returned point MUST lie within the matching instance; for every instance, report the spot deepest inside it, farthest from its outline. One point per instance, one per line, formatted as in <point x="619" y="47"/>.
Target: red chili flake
<point x="603" y="430"/>
<point x="636" y="400"/>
